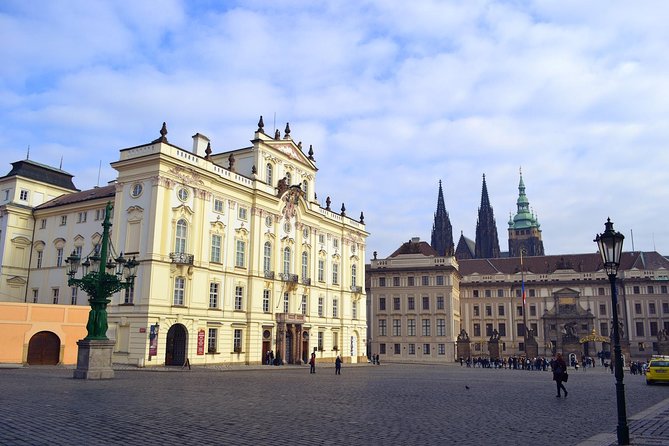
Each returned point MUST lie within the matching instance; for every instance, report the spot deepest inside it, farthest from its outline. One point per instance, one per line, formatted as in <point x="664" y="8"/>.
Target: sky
<point x="394" y="96"/>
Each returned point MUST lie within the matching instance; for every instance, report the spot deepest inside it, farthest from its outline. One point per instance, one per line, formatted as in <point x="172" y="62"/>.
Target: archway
<point x="175" y="350"/>
<point x="44" y="349"/>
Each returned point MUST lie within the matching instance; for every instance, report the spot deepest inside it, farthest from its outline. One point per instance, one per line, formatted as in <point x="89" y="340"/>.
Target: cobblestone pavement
<point x="391" y="404"/>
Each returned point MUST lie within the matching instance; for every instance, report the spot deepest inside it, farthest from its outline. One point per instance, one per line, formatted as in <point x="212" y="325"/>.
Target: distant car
<point x="658" y="370"/>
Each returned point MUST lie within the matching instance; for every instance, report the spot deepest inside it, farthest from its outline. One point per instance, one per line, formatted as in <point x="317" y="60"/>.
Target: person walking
<point x="559" y="372"/>
<point x="312" y="363"/>
<point x="338" y="365"/>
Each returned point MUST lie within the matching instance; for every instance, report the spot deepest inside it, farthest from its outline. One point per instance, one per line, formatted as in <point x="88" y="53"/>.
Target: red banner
<point x="200" y="342"/>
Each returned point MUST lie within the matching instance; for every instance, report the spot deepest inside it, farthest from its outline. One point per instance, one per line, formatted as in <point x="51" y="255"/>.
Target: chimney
<point x="200" y="144"/>
<point x="415" y="239"/>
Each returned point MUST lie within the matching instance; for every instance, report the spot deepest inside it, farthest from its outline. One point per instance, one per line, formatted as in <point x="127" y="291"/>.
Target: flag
<point x="522" y="278"/>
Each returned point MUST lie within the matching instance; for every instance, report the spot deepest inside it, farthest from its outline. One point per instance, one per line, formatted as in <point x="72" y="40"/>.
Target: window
<point x="500" y="293"/>
<point x="477" y="330"/>
<point x="35" y="295"/>
<point x="288" y="178"/>
<point x="335" y="305"/>
<point x="63" y="220"/>
<point x="411" y="303"/>
<point x="441" y="327"/>
<point x="532" y="293"/>
<point x="488" y="329"/>
<point x="520" y="329"/>
<point x="651" y="308"/>
<point x="59" y="256"/>
<point x="218" y="205"/>
<point x="397" y="327"/>
<point x="639" y="329"/>
<point x="74" y="290"/>
<point x="500" y="310"/>
<point x="382" y="281"/>
<point x="477" y="312"/>
<point x="286" y="302"/>
<point x="265" y="301"/>
<point x="475" y="293"/>
<point x="502" y="329"/>
<point x="426" y="349"/>
<point x="637" y="308"/>
<point x="354" y="309"/>
<point x="335" y="243"/>
<point x="533" y="310"/>
<point x="320" y="340"/>
<point x="410" y="281"/>
<point x="286" y="260"/>
<point x="241" y="213"/>
<point x="320" y="307"/>
<point x="335" y="273"/>
<point x="99" y="214"/>
<point x="240" y="254"/>
<point x="354" y="275"/>
<point x="651" y="289"/>
<point x="321" y="239"/>
<point x="426" y="327"/>
<point x="602" y="309"/>
<point x="397" y="349"/>
<point x="211" y="340"/>
<point x="321" y="270"/>
<point x="382" y="349"/>
<point x="213" y="295"/>
<point x="440" y="302"/>
<point x="42" y="223"/>
<point x="40" y="257"/>
<point x="305" y="265"/>
<point x="303" y="306"/>
<point x="55" y="293"/>
<point x="412" y="349"/>
<point x="269" y="173"/>
<point x="382" y="327"/>
<point x="179" y="291"/>
<point x="182" y="194"/>
<point x="604" y="328"/>
<point x="23" y="195"/>
<point x="653" y="328"/>
<point x="665" y="307"/>
<point x="237" y="341"/>
<point x="663" y="289"/>
<point x="396" y="281"/>
<point x="382" y="303"/>
<point x="519" y="310"/>
<point x="129" y="295"/>
<point x="239" y="298"/>
<point x="600" y="291"/>
<point x="635" y="289"/>
<point x="305" y="189"/>
<point x="441" y="349"/>
<point x="425" y="280"/>
<point x="488" y="311"/>
<point x="488" y="293"/>
<point x="180" y="238"/>
<point x="81" y="217"/>
<point x="411" y="327"/>
<point x="426" y="302"/>
<point x="396" y="303"/>
<point x="440" y="280"/>
<point x="216" y="248"/>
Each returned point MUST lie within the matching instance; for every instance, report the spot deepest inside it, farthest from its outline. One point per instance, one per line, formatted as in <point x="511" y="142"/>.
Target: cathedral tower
<point x="442" y="231"/>
<point x="487" y="243"/>
<point x="524" y="232"/>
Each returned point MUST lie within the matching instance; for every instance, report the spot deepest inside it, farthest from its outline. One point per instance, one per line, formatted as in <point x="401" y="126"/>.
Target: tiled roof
<point x="411" y="247"/>
<point x="582" y="263"/>
<point x="41" y="172"/>
<point x="78" y="197"/>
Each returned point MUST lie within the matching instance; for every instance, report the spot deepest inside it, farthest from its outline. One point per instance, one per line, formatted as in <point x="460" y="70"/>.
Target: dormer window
<point x="23" y="195"/>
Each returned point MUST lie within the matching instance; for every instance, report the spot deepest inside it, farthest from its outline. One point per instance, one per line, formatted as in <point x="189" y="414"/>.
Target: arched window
<point x="286" y="260"/>
<point x="269" y="173"/>
<point x="180" y="239"/>
<point x="267" y="257"/>
<point x="354" y="274"/>
<point x="305" y="265"/>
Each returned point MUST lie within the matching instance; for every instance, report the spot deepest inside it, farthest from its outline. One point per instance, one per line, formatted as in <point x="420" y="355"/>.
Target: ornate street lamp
<point x="610" y="247"/>
<point x="101" y="276"/>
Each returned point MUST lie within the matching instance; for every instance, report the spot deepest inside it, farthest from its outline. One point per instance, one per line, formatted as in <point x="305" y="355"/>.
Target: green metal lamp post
<point x="108" y="275"/>
<point x="610" y="247"/>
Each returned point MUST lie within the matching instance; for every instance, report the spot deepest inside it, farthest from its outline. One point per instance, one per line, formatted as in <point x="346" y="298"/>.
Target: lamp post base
<point x="94" y="359"/>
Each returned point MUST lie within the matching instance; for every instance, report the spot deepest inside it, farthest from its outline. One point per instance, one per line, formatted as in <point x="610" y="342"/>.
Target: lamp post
<point x="107" y="276"/>
<point x="610" y="247"/>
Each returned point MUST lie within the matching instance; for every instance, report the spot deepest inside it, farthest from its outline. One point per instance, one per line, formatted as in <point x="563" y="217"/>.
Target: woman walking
<point x="559" y="372"/>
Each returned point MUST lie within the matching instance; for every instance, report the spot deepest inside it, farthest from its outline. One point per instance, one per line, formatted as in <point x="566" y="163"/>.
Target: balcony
<point x="287" y="277"/>
<point x="291" y="318"/>
<point x="269" y="275"/>
<point x="356" y="289"/>
<point x="181" y="258"/>
<point x="306" y="280"/>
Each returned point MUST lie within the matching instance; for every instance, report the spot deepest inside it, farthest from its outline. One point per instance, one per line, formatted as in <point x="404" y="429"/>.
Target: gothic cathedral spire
<point x="442" y="231"/>
<point x="487" y="243"/>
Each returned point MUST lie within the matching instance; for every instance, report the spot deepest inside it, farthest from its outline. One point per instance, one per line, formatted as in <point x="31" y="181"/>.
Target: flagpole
<point x="522" y="279"/>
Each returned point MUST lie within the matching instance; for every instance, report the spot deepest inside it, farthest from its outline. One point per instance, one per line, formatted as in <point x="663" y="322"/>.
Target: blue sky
<point x="393" y="96"/>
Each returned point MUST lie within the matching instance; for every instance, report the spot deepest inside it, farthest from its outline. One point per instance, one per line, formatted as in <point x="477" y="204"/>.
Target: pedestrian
<point x="338" y="366"/>
<point x="312" y="363"/>
<point x="559" y="372"/>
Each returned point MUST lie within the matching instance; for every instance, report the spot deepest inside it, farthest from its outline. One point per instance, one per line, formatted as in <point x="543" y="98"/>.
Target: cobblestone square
<point x="391" y="404"/>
